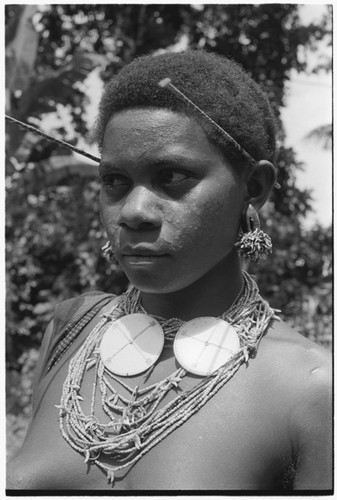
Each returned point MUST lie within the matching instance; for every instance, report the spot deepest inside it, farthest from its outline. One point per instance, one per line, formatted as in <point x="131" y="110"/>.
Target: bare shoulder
<point x="304" y="361"/>
<point x="302" y="374"/>
<point x="303" y="371"/>
<point x="295" y="374"/>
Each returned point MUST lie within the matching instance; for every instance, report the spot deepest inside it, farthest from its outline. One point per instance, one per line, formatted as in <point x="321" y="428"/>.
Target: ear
<point x="260" y="180"/>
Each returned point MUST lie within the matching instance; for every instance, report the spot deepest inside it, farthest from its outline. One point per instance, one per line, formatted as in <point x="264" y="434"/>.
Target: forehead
<point x="136" y="132"/>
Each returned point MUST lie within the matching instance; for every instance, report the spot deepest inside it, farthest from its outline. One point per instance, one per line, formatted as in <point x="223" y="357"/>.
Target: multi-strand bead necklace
<point x="136" y="423"/>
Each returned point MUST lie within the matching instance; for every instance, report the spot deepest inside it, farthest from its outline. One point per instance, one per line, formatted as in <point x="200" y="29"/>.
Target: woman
<point x="188" y="381"/>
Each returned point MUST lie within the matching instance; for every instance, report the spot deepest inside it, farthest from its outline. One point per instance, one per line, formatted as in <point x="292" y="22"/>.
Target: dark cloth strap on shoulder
<point x="70" y="317"/>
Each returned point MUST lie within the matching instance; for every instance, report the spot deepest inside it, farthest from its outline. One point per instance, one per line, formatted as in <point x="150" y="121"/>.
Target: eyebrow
<point x="172" y="160"/>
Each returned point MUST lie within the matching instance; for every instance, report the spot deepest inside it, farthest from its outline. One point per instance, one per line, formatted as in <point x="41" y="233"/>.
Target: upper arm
<point x="44" y="349"/>
<point x="313" y="420"/>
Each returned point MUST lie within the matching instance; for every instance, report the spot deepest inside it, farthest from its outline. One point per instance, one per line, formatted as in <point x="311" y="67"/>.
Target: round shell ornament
<point x="131" y="344"/>
<point x="203" y="345"/>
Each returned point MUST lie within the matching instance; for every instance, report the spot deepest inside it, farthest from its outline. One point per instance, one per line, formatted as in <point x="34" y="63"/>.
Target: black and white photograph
<point x="168" y="249"/>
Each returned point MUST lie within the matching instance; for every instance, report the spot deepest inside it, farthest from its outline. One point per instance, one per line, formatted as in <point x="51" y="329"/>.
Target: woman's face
<point x="170" y="202"/>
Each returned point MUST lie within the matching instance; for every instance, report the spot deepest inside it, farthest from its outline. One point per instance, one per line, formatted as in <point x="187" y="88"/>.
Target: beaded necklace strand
<point x="136" y="424"/>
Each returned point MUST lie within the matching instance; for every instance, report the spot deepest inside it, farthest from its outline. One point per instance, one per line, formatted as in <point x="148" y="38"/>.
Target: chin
<point x="154" y="278"/>
<point x="157" y="285"/>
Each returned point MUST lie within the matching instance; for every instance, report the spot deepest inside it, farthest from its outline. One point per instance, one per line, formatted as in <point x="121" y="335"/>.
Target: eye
<point x="112" y="181"/>
<point x="169" y="176"/>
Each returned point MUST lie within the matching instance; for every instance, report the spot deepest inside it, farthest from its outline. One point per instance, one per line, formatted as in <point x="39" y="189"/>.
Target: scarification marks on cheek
<point x="111" y="228"/>
<point x="194" y="227"/>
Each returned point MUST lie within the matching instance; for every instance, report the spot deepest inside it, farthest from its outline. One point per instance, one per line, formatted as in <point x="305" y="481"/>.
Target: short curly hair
<point x="218" y="85"/>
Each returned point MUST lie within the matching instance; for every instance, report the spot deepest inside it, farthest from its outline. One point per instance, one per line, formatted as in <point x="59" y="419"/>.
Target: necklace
<point x="133" y="343"/>
<point x="136" y="423"/>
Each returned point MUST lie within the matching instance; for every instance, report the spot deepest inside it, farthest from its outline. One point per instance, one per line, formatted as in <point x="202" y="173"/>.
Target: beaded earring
<point x="108" y="253"/>
<point x="253" y="243"/>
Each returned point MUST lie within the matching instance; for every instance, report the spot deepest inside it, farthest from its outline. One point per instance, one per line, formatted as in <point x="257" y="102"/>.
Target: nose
<point x="140" y="210"/>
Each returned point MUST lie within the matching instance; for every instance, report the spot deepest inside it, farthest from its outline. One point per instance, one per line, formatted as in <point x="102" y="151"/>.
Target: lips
<point x="142" y="251"/>
<point x="141" y="260"/>
<point x="140" y="255"/>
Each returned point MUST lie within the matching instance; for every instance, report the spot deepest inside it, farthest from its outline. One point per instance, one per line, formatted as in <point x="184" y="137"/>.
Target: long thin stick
<point x="167" y="83"/>
<point x="51" y="138"/>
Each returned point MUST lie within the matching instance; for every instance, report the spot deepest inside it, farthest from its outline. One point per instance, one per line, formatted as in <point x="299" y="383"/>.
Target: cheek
<point x="210" y="218"/>
<point x="108" y="216"/>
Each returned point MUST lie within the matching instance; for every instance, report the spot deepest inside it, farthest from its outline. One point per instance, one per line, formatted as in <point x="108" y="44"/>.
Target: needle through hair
<point x="166" y="82"/>
<point x="52" y="139"/>
<point x="163" y="83"/>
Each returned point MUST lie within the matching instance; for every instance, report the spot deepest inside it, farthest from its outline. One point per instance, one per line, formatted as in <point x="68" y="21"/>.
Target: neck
<point x="211" y="295"/>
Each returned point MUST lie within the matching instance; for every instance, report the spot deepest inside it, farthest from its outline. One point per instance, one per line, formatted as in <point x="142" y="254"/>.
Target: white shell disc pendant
<point x="131" y="344"/>
<point x="203" y="345"/>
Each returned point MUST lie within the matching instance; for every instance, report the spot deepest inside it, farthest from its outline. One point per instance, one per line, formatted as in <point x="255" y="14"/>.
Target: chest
<point x="235" y="441"/>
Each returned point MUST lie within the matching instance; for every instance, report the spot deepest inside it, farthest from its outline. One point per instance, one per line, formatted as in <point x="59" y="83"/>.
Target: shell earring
<point x="253" y="243"/>
<point x="108" y="253"/>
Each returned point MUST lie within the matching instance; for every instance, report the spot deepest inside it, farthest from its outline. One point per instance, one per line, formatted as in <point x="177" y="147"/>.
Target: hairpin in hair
<point x="166" y="83"/>
<point x="163" y="83"/>
<point x="51" y="138"/>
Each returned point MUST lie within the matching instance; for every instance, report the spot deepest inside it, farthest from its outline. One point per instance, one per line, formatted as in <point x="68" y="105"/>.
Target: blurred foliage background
<point x="53" y="233"/>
